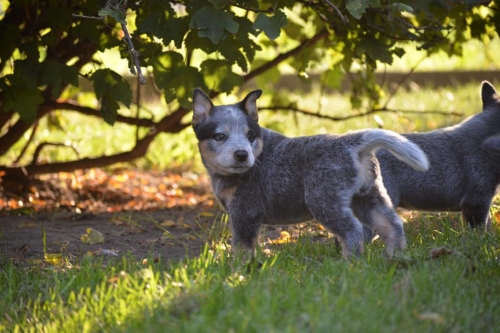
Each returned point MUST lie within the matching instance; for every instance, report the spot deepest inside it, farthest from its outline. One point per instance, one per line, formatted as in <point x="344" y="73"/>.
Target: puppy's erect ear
<point x="201" y="106"/>
<point x="249" y="104"/>
<point x="489" y="94"/>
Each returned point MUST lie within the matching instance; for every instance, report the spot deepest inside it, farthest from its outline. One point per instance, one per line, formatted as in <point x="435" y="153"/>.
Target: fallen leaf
<point x="106" y="252"/>
<point x="284" y="238"/>
<point x="285" y="235"/>
<point x="432" y="316"/>
<point x="168" y="224"/>
<point x="53" y="258"/>
<point x="183" y="225"/>
<point x="207" y="214"/>
<point x="92" y="237"/>
<point x="187" y="237"/>
<point x="440" y="252"/>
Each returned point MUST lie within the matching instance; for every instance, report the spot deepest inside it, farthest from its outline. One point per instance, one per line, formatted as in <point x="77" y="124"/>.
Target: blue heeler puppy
<point x="463" y="177"/>
<point x="263" y="177"/>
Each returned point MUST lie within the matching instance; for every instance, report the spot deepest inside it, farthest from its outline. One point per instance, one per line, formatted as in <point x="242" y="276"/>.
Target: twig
<point x="120" y="7"/>
<point x="342" y="17"/>
<point x="133" y="52"/>
<point x="138" y="109"/>
<point x="88" y="17"/>
<point x="403" y="79"/>
<point x="30" y="139"/>
<point x="42" y="145"/>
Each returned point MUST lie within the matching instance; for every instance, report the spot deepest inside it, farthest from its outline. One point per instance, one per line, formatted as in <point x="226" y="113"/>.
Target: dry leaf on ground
<point x="92" y="237"/>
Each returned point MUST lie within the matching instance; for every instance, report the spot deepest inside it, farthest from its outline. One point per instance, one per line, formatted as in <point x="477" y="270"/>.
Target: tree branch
<point x="42" y="145"/>
<point x="88" y="111"/>
<point x="17" y="130"/>
<point x="166" y="124"/>
<point x="308" y="42"/>
<point x="362" y="114"/>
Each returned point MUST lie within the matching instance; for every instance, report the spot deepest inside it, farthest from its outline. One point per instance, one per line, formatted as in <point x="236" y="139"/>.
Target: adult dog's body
<point x="263" y="177"/>
<point x="462" y="177"/>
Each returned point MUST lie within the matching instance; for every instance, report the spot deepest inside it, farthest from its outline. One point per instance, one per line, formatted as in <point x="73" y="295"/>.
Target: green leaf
<point x="213" y="23"/>
<point x="375" y="50"/>
<point x="109" y="109"/>
<point x="26" y="73"/>
<point x="58" y="19"/>
<point x="398" y="51"/>
<point x="10" y="35"/>
<point x="111" y="88"/>
<point x="218" y="75"/>
<point x="57" y="75"/>
<point x="108" y="82"/>
<point x="271" y="25"/>
<point x="219" y="3"/>
<point x="402" y="7"/>
<point x="114" y="13"/>
<point x="167" y="28"/>
<point x="23" y="100"/>
<point x="333" y="78"/>
<point x="175" y="78"/>
<point x="357" y="7"/>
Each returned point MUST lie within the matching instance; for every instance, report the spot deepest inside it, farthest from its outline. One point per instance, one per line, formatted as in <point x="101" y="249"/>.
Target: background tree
<point x="48" y="45"/>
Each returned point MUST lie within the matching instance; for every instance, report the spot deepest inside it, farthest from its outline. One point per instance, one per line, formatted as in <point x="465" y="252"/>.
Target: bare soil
<point x="140" y="234"/>
<point x="162" y="216"/>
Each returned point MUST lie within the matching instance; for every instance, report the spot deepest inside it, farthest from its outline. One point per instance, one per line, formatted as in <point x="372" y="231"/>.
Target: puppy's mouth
<point x="238" y="168"/>
<point x="233" y="169"/>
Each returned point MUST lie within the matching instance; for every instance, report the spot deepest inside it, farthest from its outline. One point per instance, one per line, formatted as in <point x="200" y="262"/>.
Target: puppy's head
<point x="229" y="137"/>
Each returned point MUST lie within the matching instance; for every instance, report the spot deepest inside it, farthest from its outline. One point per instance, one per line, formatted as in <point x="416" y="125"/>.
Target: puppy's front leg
<point x="245" y="231"/>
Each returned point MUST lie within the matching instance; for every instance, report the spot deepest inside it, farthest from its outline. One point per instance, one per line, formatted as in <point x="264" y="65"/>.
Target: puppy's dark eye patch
<point x="205" y="131"/>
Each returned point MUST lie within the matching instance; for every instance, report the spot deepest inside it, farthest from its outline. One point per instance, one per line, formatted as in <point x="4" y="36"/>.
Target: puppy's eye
<point x="251" y="137"/>
<point x="219" y="136"/>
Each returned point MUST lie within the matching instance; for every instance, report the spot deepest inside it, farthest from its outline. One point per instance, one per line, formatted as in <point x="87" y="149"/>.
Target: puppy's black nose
<point x="241" y="155"/>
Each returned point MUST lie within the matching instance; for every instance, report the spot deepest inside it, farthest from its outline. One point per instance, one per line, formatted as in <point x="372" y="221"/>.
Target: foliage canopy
<point x="49" y="47"/>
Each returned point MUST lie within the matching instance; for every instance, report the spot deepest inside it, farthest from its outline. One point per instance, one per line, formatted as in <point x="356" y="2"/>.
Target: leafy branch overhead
<point x="51" y="49"/>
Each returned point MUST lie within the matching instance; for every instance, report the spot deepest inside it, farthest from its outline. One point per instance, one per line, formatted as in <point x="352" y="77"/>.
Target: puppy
<point x="463" y="177"/>
<point x="492" y="144"/>
<point x="262" y="177"/>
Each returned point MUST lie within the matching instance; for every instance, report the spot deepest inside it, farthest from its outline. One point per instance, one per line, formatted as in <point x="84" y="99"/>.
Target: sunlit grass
<point x="303" y="286"/>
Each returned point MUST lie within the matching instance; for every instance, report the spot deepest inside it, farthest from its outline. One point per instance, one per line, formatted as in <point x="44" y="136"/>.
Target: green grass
<point x="303" y="286"/>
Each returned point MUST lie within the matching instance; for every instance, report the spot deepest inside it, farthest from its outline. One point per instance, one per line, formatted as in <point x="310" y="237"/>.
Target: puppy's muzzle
<point x="241" y="155"/>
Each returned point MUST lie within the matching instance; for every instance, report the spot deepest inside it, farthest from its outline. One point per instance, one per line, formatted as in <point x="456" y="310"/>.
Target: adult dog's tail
<point x="404" y="150"/>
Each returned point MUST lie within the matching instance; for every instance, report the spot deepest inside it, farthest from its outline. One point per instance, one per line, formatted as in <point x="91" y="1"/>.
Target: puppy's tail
<point x="404" y="150"/>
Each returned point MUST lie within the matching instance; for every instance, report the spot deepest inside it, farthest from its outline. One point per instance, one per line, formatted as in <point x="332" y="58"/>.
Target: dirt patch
<point x="174" y="217"/>
<point x="165" y="235"/>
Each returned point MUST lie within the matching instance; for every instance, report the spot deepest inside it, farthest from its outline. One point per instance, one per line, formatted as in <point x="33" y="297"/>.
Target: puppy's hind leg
<point x="374" y="209"/>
